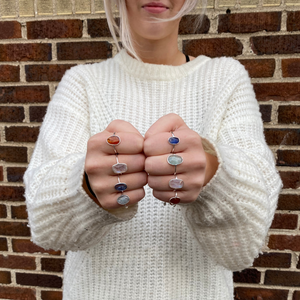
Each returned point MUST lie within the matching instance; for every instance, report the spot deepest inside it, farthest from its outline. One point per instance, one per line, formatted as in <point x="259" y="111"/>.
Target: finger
<point x="182" y="182"/>
<point x="158" y="144"/>
<point x="110" y="202"/>
<point x="158" y="165"/>
<point x="121" y="126"/>
<point x="103" y="167"/>
<point x="129" y="143"/>
<point x="185" y="196"/>
<point x="112" y="185"/>
<point x="167" y="123"/>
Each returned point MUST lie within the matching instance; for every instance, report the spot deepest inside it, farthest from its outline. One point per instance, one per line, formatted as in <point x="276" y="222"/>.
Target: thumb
<point x="167" y="123"/>
<point x="121" y="126"/>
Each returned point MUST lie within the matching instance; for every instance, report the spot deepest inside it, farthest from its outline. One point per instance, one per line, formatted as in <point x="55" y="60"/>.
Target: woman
<point x="191" y="130"/>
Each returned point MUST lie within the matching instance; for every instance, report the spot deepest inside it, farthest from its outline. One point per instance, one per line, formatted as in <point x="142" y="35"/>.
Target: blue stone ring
<point x="173" y="140"/>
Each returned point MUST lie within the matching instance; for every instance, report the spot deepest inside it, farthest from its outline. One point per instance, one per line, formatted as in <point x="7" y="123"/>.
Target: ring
<point x="174" y="200"/>
<point x="119" y="168"/>
<point x="174" y="160"/>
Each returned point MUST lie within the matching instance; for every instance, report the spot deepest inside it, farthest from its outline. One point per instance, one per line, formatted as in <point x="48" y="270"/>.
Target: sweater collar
<point x="146" y="71"/>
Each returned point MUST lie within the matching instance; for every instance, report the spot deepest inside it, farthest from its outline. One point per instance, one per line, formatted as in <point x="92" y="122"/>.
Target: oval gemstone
<point x="175" y="159"/>
<point x="173" y="140"/>
<point x="176" y="184"/>
<point x="113" y="140"/>
<point x="119" y="168"/>
<point x="121" y="187"/>
<point x="123" y="200"/>
<point x="174" y="200"/>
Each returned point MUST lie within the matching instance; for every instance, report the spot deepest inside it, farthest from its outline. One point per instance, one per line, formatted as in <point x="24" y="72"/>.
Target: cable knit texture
<point x="151" y="251"/>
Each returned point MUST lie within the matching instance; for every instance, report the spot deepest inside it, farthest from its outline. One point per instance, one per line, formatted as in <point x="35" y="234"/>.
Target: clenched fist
<point x="101" y="157"/>
<point x="197" y="168"/>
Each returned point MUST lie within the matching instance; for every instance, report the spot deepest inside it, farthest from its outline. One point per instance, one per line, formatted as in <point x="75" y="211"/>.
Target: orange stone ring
<point x="113" y="140"/>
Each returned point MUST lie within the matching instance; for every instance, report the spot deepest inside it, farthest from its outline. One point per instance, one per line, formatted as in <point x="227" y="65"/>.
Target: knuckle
<point x="108" y="205"/>
<point x="193" y="139"/>
<point x="139" y="194"/>
<point x="138" y="143"/>
<point x="196" y="182"/>
<point x="147" y="147"/>
<point x="90" y="166"/>
<point x="151" y="182"/>
<point x="148" y="165"/>
<point x="144" y="178"/>
<point x="92" y="143"/>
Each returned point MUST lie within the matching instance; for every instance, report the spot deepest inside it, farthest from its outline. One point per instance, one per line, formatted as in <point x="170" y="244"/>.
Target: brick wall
<point x="34" y="54"/>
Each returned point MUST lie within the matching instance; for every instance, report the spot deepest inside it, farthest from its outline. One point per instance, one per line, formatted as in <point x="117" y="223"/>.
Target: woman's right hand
<point x="101" y="157"/>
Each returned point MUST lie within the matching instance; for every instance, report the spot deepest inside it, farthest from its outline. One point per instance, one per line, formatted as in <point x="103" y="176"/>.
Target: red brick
<point x="5" y="277"/>
<point x="52" y="264"/>
<point x="215" y="47"/>
<point x="259" y="67"/>
<point x="26" y="246"/>
<point x="24" y="94"/>
<point x="10" y="30"/>
<point x="293" y="20"/>
<point x="15" y="174"/>
<point x="249" y="293"/>
<point x="289" y="158"/>
<point x="250" y="22"/>
<point x="284" y="221"/>
<point x="14" y="229"/>
<point x="84" y="50"/>
<point x="19" y="212"/>
<point x="283" y="278"/>
<point x="46" y="72"/>
<point x="9" y="73"/>
<point x="3" y="213"/>
<point x="17" y="262"/>
<point x="11" y="114"/>
<point x="189" y="22"/>
<point x="51" y="295"/>
<point x="53" y="29"/>
<point x="289" y="114"/>
<point x="12" y="193"/>
<point x="290" y="180"/>
<point x="247" y="276"/>
<point x="13" y="154"/>
<point x="289" y="202"/>
<point x="1" y="173"/>
<point x="41" y="280"/>
<point x="99" y="28"/>
<point x="22" y="134"/>
<point x="25" y="52"/>
<point x="3" y="244"/>
<point x="266" y="112"/>
<point x="16" y="293"/>
<point x="284" y="242"/>
<point x="37" y="113"/>
<point x="296" y="295"/>
<point x="282" y="136"/>
<point x="277" y="91"/>
<point x="280" y="44"/>
<point x="273" y="260"/>
<point x="291" y="67"/>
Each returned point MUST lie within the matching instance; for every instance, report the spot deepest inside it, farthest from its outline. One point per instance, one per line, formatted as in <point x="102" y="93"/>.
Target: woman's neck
<point x="163" y="52"/>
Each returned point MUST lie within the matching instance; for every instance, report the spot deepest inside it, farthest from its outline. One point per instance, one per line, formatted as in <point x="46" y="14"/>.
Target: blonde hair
<point x="123" y="30"/>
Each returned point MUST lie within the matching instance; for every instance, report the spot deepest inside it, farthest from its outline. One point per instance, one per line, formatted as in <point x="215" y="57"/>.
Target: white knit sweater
<point x="152" y="251"/>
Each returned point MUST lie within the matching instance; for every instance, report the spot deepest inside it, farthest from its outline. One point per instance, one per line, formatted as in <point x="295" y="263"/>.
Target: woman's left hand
<point x="196" y="169"/>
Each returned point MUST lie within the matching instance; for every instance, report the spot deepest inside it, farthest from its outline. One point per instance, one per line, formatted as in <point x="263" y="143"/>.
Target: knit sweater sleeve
<point x="234" y="211"/>
<point x="61" y="215"/>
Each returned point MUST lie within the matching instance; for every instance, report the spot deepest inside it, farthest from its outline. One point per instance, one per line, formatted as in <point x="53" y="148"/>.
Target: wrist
<point x="212" y="165"/>
<point x="86" y="186"/>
